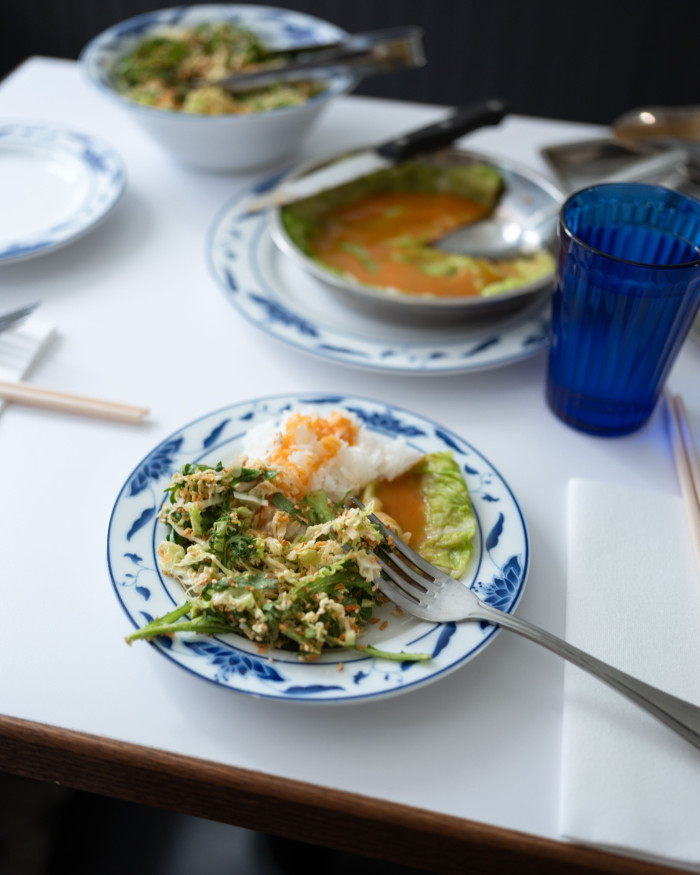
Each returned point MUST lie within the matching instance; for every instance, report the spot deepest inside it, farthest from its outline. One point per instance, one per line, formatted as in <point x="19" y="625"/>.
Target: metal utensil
<point x="676" y="127"/>
<point x="338" y="171"/>
<point x="364" y="54"/>
<point x="419" y="588"/>
<point x="7" y="320"/>
<point x="500" y="237"/>
<point x="525" y="193"/>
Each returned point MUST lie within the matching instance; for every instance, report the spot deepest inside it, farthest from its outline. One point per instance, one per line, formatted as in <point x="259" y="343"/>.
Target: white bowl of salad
<point x="161" y="68"/>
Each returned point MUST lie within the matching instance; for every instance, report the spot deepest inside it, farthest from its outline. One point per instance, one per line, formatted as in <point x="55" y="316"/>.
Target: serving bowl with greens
<point x="373" y="239"/>
<point x="161" y="68"/>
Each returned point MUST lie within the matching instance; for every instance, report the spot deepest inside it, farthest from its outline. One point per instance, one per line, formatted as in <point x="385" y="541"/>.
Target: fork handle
<point x="681" y="716"/>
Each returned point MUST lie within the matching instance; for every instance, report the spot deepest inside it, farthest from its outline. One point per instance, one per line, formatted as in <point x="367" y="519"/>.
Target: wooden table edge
<point x="292" y="809"/>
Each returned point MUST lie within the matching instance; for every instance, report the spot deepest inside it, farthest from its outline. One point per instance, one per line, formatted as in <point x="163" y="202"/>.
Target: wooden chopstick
<point x="687" y="466"/>
<point x="51" y="399"/>
<point x="688" y="444"/>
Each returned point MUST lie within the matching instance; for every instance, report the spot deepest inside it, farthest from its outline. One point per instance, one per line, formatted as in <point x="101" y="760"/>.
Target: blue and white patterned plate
<point x="56" y="186"/>
<point x="497" y="571"/>
<point x="284" y="300"/>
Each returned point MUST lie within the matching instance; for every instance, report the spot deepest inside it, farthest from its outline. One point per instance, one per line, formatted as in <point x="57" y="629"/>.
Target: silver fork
<point x="419" y="588"/>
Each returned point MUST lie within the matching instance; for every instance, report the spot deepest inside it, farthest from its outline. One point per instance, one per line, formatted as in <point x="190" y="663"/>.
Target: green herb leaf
<point x="281" y="502"/>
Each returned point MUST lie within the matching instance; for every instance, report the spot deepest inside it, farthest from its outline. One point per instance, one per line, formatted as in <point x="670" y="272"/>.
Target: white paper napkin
<point x="20" y="347"/>
<point x="629" y="784"/>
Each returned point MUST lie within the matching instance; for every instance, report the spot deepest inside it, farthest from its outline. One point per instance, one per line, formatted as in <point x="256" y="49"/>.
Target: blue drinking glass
<point x="627" y="289"/>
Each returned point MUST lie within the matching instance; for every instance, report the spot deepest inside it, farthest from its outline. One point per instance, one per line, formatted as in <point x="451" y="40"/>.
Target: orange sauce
<point x="402" y="499"/>
<point x="363" y="239"/>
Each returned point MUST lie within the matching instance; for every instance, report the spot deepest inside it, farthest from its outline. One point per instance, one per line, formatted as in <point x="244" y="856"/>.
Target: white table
<point x="83" y="708"/>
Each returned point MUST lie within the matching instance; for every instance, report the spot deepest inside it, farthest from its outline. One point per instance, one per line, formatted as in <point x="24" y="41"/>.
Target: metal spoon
<point x="501" y="236"/>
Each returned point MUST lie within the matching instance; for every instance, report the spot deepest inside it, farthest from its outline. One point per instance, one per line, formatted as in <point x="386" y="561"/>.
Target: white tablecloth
<point x="123" y="299"/>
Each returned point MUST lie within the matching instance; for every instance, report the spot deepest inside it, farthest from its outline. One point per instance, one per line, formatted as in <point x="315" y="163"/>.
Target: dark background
<point x="589" y="60"/>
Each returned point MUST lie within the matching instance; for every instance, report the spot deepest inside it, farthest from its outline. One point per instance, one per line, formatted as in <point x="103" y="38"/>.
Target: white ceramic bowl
<point x="221" y="142"/>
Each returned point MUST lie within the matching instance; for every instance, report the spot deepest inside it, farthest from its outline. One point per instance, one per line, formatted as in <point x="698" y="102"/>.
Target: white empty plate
<point x="55" y="185"/>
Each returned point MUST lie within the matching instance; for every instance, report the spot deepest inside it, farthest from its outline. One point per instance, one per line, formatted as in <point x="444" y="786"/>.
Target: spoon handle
<point x="649" y="168"/>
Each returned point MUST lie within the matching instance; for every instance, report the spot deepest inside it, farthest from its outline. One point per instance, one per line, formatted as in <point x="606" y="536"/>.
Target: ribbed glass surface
<point x="627" y="289"/>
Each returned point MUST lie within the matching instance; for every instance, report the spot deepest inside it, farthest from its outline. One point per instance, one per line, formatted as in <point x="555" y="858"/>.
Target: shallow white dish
<point x="497" y="570"/>
<point x="56" y="186"/>
<point x="282" y="299"/>
<point x="220" y="142"/>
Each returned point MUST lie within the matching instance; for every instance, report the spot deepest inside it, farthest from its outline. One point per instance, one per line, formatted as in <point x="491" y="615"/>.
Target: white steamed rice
<point x="373" y="457"/>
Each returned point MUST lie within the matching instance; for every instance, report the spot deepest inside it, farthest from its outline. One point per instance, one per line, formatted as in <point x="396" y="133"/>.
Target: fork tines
<point x="402" y="565"/>
<point x="400" y="546"/>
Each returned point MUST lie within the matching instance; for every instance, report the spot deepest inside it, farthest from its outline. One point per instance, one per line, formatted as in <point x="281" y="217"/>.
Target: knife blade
<point x="421" y="141"/>
<point x="8" y="320"/>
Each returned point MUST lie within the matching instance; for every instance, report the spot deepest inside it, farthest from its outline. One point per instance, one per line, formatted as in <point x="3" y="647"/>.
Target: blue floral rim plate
<point x="282" y="299"/>
<point x="59" y="185"/>
<point x="497" y="571"/>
